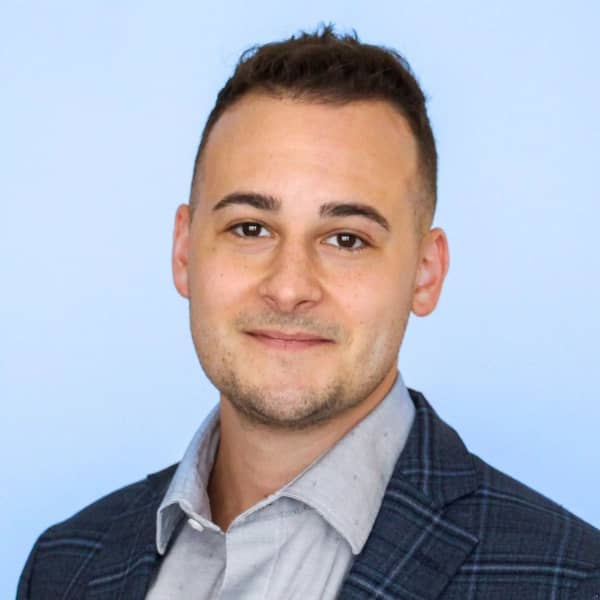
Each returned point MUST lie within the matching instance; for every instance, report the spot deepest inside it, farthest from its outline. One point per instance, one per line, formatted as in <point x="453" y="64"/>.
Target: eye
<point x="347" y="241"/>
<point x="249" y="229"/>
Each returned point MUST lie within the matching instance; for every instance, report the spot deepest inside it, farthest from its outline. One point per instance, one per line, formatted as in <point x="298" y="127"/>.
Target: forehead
<point x="291" y="148"/>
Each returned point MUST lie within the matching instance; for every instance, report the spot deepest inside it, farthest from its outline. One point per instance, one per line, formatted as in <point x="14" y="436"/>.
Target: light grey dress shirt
<point x="298" y="543"/>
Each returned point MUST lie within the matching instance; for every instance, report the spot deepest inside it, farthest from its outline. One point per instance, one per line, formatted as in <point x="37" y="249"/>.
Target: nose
<point x="291" y="283"/>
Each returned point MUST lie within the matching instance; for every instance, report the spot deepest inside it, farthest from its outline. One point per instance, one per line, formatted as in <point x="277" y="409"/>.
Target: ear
<point x="181" y="250"/>
<point x="431" y="271"/>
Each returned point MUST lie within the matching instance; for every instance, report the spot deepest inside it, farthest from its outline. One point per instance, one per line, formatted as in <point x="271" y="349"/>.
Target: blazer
<point x="450" y="527"/>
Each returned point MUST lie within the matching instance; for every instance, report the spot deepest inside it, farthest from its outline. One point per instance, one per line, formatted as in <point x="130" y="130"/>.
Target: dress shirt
<point x="297" y="543"/>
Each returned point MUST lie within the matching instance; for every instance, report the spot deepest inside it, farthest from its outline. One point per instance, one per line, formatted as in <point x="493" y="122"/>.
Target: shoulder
<point x="523" y="534"/>
<point x="512" y="521"/>
<point x="98" y="515"/>
<point x="62" y="549"/>
<point x="533" y="516"/>
<point x="523" y="542"/>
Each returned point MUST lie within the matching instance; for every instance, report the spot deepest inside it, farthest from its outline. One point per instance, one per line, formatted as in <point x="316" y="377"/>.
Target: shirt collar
<point x="187" y="491"/>
<point x="345" y="485"/>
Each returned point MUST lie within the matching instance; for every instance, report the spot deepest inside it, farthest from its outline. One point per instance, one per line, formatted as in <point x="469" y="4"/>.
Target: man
<point x="306" y="244"/>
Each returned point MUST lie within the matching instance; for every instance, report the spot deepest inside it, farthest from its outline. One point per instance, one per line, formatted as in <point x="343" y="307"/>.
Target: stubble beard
<point x="291" y="409"/>
<point x="296" y="411"/>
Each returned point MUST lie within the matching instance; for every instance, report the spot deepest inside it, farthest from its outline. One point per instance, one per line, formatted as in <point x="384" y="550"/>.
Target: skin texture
<point x="255" y="273"/>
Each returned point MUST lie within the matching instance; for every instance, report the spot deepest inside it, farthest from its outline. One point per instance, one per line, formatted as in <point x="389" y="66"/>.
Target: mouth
<point x="288" y="341"/>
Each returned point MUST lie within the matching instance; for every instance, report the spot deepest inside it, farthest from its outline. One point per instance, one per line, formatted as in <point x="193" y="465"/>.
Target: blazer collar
<point x="417" y="544"/>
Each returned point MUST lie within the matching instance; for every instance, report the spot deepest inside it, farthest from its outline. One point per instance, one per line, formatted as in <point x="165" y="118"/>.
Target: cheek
<point x="216" y="292"/>
<point x="215" y="283"/>
<point x="380" y="311"/>
<point x="376" y="296"/>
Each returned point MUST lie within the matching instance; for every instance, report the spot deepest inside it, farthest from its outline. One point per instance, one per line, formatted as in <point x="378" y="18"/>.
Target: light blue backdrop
<point x="102" y="107"/>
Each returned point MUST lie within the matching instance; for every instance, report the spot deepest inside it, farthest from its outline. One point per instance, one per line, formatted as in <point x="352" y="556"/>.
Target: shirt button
<point x="195" y="525"/>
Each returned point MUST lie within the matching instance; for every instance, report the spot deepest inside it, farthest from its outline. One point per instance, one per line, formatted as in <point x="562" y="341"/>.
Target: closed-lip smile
<point x="287" y="341"/>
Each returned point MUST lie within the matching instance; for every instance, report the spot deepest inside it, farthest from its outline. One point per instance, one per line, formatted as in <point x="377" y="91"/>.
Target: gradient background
<point x="102" y="108"/>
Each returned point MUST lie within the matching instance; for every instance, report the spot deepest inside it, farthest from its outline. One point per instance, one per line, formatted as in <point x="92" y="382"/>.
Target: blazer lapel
<point x="417" y="542"/>
<point x="126" y="563"/>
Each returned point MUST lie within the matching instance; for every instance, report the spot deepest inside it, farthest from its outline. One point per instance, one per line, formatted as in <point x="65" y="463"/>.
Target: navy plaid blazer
<point x="450" y="527"/>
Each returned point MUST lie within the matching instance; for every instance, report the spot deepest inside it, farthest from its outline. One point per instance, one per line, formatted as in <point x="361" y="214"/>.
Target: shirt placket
<point x="252" y="546"/>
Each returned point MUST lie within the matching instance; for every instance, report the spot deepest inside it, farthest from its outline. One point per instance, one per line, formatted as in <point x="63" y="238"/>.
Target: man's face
<point x="303" y="258"/>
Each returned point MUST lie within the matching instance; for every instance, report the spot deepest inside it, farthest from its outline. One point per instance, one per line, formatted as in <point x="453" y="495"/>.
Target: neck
<point x="246" y="470"/>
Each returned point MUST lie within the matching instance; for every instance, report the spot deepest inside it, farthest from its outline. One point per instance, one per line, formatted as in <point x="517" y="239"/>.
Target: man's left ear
<point x="431" y="271"/>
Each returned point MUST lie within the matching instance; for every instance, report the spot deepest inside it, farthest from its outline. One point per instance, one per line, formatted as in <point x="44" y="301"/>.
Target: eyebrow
<point x="259" y="201"/>
<point x="330" y="209"/>
<point x="350" y="209"/>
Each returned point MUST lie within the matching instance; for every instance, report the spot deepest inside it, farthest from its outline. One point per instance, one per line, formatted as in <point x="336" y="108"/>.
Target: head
<point x="307" y="240"/>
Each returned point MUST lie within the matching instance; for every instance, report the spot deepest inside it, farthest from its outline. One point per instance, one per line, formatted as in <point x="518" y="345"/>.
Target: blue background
<point x="102" y="108"/>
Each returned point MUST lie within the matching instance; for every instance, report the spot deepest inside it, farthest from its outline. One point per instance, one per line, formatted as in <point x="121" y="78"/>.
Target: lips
<point x="290" y="341"/>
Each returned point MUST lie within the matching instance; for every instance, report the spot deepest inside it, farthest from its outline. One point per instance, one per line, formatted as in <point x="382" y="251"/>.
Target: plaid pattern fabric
<point x="450" y="528"/>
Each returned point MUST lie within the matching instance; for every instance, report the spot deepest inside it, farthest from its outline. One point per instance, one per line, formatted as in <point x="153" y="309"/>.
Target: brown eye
<point x="347" y="241"/>
<point x="250" y="229"/>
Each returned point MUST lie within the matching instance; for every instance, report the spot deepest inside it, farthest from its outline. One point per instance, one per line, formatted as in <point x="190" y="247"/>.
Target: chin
<point x="289" y="406"/>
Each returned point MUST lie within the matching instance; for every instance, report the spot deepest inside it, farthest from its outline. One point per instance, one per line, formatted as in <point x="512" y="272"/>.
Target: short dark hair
<point x="332" y="68"/>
